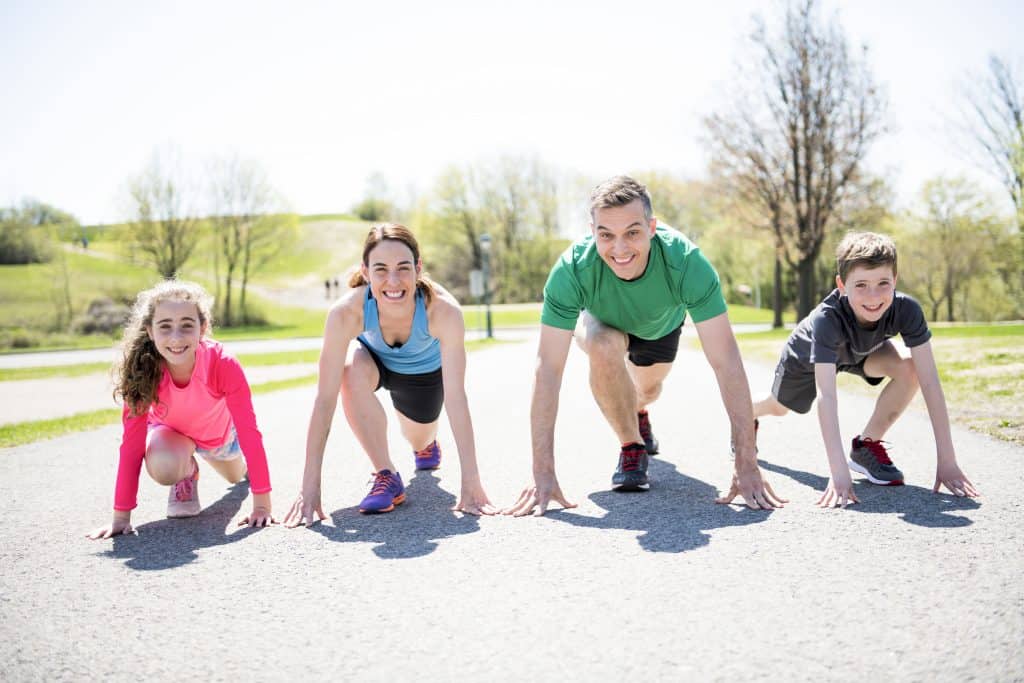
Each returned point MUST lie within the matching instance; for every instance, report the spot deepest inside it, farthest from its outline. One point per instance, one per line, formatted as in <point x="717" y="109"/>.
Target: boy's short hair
<point x="868" y="249"/>
<point x="619" y="191"/>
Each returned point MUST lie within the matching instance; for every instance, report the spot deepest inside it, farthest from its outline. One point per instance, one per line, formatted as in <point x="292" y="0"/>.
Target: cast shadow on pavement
<point x="169" y="543"/>
<point x="915" y="504"/>
<point x="411" y="530"/>
<point x="673" y="515"/>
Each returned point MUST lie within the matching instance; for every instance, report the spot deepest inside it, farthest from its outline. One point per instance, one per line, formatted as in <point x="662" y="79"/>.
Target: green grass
<point x="21" y="433"/>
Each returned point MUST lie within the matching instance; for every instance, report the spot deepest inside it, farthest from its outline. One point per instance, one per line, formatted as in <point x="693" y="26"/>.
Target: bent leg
<point x="233" y="470"/>
<point x="169" y="455"/>
<point x="363" y="410"/>
<point x="898" y="392"/>
<point x="610" y="381"/>
<point x="648" y="380"/>
<point x="769" y="406"/>
<point x="418" y="434"/>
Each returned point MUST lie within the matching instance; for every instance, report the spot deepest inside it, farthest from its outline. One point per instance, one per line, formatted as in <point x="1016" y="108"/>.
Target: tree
<point x="995" y="124"/>
<point x="28" y="231"/>
<point x="163" y="222"/>
<point x="793" y="137"/>
<point x="952" y="246"/>
<point x="241" y="199"/>
<point x="376" y="205"/>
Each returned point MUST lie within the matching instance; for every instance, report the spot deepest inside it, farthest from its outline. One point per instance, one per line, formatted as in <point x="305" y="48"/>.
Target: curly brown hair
<point x="137" y="374"/>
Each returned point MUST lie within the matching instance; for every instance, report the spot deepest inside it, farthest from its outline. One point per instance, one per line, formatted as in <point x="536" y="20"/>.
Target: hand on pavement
<point x="955" y="480"/>
<point x="838" y="494"/>
<point x="259" y="517"/>
<point x="302" y="511"/>
<point x="538" y="496"/>
<point x="748" y="483"/>
<point x="118" y="526"/>
<point x="474" y="501"/>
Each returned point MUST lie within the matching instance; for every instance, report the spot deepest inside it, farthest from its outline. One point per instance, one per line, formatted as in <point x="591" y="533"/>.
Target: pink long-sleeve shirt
<point x="204" y="410"/>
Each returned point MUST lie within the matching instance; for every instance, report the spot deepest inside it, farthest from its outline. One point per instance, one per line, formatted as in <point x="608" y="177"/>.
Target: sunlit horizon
<point x="324" y="95"/>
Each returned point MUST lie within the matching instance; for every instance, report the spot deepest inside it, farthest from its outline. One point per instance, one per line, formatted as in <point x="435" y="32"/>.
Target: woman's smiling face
<point x="391" y="271"/>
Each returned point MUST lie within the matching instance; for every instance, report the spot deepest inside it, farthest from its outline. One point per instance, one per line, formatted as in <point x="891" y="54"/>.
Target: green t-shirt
<point x="677" y="279"/>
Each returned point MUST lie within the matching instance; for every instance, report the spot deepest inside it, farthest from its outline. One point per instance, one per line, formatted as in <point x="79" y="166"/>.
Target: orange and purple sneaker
<point x="429" y="458"/>
<point x="387" y="492"/>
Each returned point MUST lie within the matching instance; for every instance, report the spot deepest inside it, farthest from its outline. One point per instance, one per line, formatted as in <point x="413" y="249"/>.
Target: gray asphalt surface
<point x="659" y="585"/>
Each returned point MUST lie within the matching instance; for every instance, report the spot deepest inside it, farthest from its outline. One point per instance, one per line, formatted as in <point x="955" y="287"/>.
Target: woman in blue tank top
<point x="411" y="341"/>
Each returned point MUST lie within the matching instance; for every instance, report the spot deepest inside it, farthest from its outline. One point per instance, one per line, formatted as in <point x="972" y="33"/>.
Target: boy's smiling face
<point x="870" y="292"/>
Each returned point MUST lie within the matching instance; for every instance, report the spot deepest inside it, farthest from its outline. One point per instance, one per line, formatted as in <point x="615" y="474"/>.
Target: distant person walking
<point x="183" y="396"/>
<point x="409" y="339"/>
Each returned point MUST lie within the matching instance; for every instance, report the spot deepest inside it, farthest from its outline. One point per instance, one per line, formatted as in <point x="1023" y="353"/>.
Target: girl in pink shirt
<point x="183" y="395"/>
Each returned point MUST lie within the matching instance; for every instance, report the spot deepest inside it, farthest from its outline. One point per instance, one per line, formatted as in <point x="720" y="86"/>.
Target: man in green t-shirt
<point x="623" y="292"/>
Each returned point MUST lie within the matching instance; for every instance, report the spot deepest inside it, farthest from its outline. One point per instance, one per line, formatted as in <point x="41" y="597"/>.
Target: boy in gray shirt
<point x="849" y="332"/>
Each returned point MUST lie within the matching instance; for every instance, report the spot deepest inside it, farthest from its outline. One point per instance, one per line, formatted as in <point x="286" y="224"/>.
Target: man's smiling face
<point x="623" y="237"/>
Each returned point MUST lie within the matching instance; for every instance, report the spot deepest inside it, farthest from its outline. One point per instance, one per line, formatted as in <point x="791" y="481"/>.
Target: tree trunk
<point x="777" y="292"/>
<point x="805" y="285"/>
<point x="949" y="300"/>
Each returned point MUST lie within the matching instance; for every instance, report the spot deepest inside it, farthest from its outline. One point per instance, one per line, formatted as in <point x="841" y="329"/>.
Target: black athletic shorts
<point x="795" y="388"/>
<point x="418" y="397"/>
<point x="645" y="352"/>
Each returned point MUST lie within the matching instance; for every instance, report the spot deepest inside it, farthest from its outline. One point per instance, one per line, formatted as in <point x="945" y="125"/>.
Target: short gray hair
<point x="619" y="191"/>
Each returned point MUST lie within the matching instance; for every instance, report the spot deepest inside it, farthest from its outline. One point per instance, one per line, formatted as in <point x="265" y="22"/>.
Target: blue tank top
<point x="419" y="354"/>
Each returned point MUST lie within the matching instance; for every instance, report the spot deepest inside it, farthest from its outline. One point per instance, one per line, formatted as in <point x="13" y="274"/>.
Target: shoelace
<point x="183" y="489"/>
<point x="381" y="483"/>
<point x="645" y="426"/>
<point x="427" y="452"/>
<point x="631" y="459"/>
<point x="877" y="449"/>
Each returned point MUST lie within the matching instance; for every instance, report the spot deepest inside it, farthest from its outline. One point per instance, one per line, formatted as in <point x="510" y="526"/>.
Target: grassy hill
<point x="288" y="292"/>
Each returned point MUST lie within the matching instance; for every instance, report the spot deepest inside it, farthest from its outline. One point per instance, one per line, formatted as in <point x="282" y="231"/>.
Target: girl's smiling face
<point x="176" y="331"/>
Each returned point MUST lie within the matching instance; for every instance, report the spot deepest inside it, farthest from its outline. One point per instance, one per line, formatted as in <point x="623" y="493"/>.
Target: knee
<point x="354" y="377"/>
<point x="164" y="466"/>
<point x="606" y="346"/>
<point x="906" y="372"/>
<point x="649" y="394"/>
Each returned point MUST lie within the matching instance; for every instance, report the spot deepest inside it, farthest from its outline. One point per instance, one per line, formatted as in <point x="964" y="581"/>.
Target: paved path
<point x="659" y="586"/>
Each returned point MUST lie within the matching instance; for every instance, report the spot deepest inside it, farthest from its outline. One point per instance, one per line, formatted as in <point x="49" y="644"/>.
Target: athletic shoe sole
<point x="629" y="486"/>
<point x="396" y="501"/>
<point x="880" y="482"/>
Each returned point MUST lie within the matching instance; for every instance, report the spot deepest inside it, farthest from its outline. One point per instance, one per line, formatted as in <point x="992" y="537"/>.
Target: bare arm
<point x="447" y="325"/>
<point x="840" y="485"/>
<point x="948" y="473"/>
<point x="551" y="356"/>
<point x="344" y="322"/>
<point x="723" y="355"/>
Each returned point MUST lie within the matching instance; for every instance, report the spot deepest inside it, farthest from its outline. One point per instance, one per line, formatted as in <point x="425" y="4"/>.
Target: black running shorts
<point x="795" y="388"/>
<point x="418" y="397"/>
<point x="645" y="352"/>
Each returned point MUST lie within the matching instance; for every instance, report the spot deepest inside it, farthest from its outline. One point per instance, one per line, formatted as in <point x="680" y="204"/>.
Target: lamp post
<point x="485" y="264"/>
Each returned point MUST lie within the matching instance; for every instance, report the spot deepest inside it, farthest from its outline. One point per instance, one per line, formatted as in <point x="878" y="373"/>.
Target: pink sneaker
<point x="183" y="500"/>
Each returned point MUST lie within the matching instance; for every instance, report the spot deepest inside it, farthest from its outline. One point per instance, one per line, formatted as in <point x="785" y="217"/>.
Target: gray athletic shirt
<point x="831" y="333"/>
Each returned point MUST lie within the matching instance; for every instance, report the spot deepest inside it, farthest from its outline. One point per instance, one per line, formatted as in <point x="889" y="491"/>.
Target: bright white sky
<point x="324" y="94"/>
